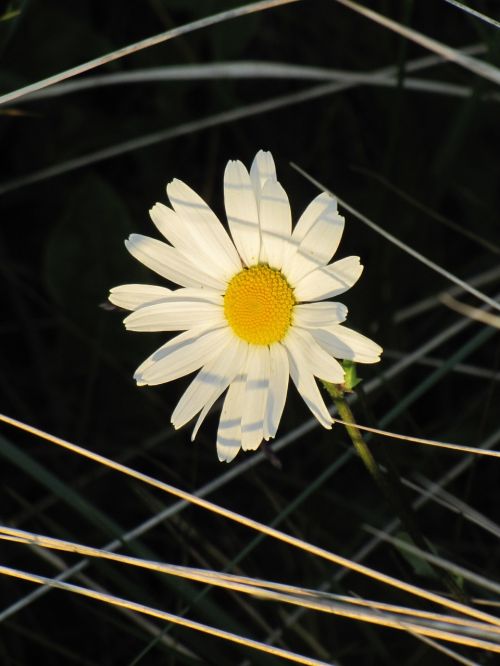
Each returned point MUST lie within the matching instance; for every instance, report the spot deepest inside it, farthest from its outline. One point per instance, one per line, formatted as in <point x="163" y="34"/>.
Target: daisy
<point x="253" y="309"/>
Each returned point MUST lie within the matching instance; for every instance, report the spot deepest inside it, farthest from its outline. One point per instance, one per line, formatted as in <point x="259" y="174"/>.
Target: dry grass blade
<point x="403" y="246"/>
<point x="453" y="568"/>
<point x="249" y="70"/>
<point x="452" y="503"/>
<point x="479" y="67"/>
<point x="428" y="495"/>
<point x="421" y="440"/>
<point x="140" y="621"/>
<point x="418" y="205"/>
<point x="257" y="526"/>
<point x="437" y="646"/>
<point x="426" y="304"/>
<point x="249" y="463"/>
<point x="468" y="311"/>
<point x="242" y="467"/>
<point x="448" y="628"/>
<point x="460" y="659"/>
<point x="254" y="586"/>
<point x="215" y="120"/>
<point x="163" y="615"/>
<point x="144" y="44"/>
<point x="474" y="12"/>
<point x="460" y="368"/>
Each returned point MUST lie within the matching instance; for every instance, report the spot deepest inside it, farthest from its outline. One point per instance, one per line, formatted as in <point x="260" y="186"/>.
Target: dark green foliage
<point x="405" y="158"/>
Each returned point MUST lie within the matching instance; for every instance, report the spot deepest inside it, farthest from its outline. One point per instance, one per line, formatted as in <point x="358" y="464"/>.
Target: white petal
<point x="255" y="398"/>
<point x="175" y="316"/>
<point x="343" y="342"/>
<point x="170" y="225"/>
<point x="191" y="294"/>
<point x="207" y="235"/>
<point x="306" y="385"/>
<point x="242" y="213"/>
<point x="177" y="341"/>
<point x="211" y="381"/>
<point x="318" y="245"/>
<point x="329" y="281"/>
<point x="133" y="296"/>
<point x="318" y="315"/>
<point x="275" y="223"/>
<point x="178" y="232"/>
<point x="229" y="432"/>
<point x="215" y="396"/>
<point x="278" y="387"/>
<point x="262" y="169"/>
<point x="319" y="362"/>
<point x="305" y="223"/>
<point x="313" y="211"/>
<point x="182" y="355"/>
<point x="170" y="263"/>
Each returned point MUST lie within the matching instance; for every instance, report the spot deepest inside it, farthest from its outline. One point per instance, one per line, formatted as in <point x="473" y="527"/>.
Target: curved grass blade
<point x="144" y="44"/>
<point x="215" y="120"/>
<point x="250" y="70"/>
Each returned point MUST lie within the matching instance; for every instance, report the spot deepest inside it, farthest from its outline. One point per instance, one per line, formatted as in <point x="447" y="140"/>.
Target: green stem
<point x="389" y="485"/>
<point x="360" y="445"/>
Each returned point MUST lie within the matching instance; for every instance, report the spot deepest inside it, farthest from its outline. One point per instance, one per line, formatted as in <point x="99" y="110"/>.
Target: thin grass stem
<point x="403" y="246"/>
<point x="483" y="69"/>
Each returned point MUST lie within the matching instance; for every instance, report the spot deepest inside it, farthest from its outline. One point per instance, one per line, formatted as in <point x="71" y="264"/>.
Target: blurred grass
<point x="66" y="366"/>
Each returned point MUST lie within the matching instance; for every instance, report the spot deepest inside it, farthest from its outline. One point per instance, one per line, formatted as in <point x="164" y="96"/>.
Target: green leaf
<point x="419" y="565"/>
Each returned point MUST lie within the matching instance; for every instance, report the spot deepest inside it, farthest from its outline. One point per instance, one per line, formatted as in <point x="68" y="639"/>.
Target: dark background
<point x="404" y="158"/>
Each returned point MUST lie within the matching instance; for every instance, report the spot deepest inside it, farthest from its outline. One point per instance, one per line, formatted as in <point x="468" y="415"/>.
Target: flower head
<point x="253" y="309"/>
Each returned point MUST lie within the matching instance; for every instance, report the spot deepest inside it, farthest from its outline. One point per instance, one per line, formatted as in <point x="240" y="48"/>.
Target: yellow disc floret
<point x="258" y="305"/>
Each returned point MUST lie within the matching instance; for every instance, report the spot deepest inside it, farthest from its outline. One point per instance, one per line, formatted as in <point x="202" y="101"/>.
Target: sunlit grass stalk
<point x="250" y="462"/>
<point x="317" y="551"/>
<point x="384" y="619"/>
<point x="377" y="618"/>
<point x="266" y="589"/>
<point x="163" y="615"/>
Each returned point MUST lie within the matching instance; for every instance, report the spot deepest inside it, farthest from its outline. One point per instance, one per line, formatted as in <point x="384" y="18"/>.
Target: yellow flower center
<point x="258" y="305"/>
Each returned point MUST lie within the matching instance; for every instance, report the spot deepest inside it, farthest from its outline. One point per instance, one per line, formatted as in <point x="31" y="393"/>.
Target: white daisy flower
<point x="253" y="309"/>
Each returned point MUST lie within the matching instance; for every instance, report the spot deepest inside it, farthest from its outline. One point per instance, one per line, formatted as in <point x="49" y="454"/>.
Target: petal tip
<point x="227" y="454"/>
